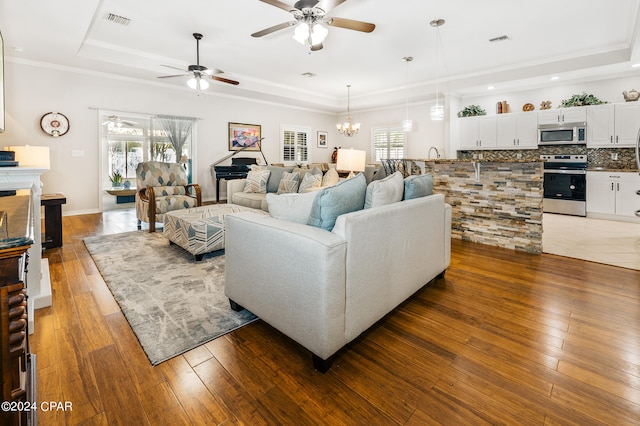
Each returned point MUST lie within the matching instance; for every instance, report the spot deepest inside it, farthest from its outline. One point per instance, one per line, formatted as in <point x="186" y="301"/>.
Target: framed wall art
<point x="322" y="139"/>
<point x="244" y="136"/>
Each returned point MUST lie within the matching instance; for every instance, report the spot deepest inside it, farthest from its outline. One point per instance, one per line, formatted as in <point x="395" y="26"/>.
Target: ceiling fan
<point x="309" y="14"/>
<point x="114" y="120"/>
<point x="199" y="74"/>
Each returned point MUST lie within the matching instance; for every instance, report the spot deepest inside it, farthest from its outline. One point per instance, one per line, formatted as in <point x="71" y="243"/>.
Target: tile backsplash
<point x="596" y="157"/>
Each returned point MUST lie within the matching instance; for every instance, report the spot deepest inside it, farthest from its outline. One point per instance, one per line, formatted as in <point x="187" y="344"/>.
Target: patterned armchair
<point x="163" y="187"/>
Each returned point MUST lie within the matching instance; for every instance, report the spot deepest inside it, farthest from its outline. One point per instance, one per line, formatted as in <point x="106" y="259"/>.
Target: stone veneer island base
<point x="495" y="203"/>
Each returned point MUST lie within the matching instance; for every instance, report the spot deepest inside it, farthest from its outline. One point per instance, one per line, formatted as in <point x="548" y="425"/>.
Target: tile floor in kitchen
<point x="602" y="241"/>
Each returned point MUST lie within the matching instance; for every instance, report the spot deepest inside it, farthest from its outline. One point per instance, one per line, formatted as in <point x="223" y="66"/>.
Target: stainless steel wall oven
<point x="565" y="184"/>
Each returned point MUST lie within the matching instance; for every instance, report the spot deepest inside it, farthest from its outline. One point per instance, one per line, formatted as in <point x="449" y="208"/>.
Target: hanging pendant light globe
<point x="437" y="111"/>
<point x="407" y="123"/>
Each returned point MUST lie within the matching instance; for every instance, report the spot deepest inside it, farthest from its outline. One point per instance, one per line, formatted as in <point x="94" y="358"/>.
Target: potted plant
<point x="116" y="179"/>
<point x="472" y="111"/>
<point x="581" y="100"/>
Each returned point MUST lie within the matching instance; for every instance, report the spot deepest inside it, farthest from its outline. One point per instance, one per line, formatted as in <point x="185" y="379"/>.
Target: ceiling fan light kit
<point x="308" y="19"/>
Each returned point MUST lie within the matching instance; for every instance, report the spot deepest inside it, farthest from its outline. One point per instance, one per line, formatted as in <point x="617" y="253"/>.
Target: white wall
<point x="32" y="90"/>
<point x="426" y="133"/>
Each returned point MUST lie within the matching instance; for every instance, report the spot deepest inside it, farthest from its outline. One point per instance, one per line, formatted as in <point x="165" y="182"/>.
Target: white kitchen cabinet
<point x="562" y="115"/>
<point x="478" y="132"/>
<point x="613" y="195"/>
<point x="517" y="131"/>
<point x="613" y="125"/>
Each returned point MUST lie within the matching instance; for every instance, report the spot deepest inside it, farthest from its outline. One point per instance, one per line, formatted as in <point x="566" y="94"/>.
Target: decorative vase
<point x="631" y="96"/>
<point x="126" y="184"/>
<point x="334" y="155"/>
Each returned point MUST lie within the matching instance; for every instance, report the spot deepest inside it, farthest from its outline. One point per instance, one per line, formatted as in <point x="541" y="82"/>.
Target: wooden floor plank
<point x="505" y="338"/>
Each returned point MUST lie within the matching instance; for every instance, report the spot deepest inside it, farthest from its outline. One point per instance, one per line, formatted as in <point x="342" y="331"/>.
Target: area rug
<point x="172" y="302"/>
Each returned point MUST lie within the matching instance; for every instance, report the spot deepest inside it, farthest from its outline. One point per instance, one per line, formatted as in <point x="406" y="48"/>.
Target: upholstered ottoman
<point x="200" y="230"/>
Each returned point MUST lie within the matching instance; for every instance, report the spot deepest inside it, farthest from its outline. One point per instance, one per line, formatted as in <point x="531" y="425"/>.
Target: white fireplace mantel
<point x="38" y="284"/>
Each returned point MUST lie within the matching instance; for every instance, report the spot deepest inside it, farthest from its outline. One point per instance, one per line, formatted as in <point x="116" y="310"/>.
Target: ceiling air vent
<point x="117" y="19"/>
<point x="499" y="39"/>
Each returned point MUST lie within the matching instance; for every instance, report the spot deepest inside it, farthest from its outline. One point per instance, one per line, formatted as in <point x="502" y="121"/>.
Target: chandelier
<point x="347" y="128"/>
<point x="437" y="111"/>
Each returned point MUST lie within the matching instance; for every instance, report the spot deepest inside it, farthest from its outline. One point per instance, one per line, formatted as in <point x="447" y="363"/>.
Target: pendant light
<point x="347" y="128"/>
<point x="407" y="123"/>
<point x="437" y="111"/>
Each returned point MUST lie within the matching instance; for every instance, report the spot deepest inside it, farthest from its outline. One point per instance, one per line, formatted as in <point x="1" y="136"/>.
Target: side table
<point x="52" y="219"/>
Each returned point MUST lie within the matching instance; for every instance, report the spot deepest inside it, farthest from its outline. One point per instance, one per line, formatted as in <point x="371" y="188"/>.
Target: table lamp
<point x="31" y="156"/>
<point x="352" y="160"/>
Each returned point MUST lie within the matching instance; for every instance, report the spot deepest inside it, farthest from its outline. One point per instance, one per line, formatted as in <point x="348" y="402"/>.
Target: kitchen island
<point x="494" y="202"/>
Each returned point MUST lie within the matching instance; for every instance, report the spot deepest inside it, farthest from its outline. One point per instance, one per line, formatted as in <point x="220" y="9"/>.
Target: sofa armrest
<point x="233" y="186"/>
<point x="290" y="275"/>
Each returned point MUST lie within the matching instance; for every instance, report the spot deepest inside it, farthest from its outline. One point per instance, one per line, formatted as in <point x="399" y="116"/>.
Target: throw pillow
<point x="330" y="178"/>
<point x="291" y="207"/>
<point x="380" y="174"/>
<point x="288" y="183"/>
<point x="276" y="175"/>
<point x="386" y="191"/>
<point x="343" y="197"/>
<point x="416" y="186"/>
<point x="256" y="181"/>
<point x="310" y="181"/>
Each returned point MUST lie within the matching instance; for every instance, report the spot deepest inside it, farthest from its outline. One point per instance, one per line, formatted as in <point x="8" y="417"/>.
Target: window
<point x="295" y="144"/>
<point x="389" y="143"/>
<point x="129" y="139"/>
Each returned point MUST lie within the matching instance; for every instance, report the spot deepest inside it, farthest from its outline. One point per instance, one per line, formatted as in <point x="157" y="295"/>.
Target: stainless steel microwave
<point x="562" y="134"/>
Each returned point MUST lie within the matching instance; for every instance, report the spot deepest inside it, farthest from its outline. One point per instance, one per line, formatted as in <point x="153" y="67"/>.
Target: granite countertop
<point x="611" y="169"/>
<point x="456" y="160"/>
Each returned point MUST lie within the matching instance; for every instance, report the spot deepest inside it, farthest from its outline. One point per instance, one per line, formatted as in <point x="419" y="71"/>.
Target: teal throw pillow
<point x="343" y="197"/>
<point x="416" y="186"/>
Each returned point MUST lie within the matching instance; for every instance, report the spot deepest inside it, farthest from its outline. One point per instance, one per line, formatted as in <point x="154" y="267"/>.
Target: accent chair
<point x="163" y="187"/>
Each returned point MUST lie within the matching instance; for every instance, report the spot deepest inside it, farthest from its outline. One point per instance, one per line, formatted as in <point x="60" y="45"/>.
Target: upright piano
<point x="238" y="169"/>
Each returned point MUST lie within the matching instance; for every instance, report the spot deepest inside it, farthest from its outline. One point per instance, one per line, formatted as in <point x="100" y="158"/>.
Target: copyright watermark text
<point x="21" y="406"/>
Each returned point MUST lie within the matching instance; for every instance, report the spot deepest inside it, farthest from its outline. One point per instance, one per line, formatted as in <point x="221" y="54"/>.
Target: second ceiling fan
<point x="309" y="14"/>
<point x="199" y="73"/>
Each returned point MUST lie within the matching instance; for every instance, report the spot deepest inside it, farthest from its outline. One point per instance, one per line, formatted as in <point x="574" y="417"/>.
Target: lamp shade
<point x="352" y="160"/>
<point x="31" y="156"/>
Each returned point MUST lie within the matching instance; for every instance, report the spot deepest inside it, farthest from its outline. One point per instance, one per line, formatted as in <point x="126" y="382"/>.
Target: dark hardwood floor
<point x="506" y="338"/>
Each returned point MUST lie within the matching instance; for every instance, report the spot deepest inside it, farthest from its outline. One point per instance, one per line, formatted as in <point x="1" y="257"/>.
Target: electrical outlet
<point x="475" y="156"/>
<point x="480" y="156"/>
<point x="519" y="156"/>
<point x="614" y="156"/>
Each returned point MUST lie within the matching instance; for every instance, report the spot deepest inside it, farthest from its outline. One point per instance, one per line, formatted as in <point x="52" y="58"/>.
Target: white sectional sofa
<point x="322" y="287"/>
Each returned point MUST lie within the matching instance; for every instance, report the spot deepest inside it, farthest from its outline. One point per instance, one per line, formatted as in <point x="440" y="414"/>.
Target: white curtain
<point x="178" y="130"/>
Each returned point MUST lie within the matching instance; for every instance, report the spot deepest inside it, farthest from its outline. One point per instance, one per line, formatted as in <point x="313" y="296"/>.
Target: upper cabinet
<point x="478" y="132"/>
<point x="613" y="125"/>
<point x="562" y="115"/>
<point x="517" y="130"/>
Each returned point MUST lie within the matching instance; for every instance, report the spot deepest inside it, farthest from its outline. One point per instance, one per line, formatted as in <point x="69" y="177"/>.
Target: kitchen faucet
<point x="429" y="154"/>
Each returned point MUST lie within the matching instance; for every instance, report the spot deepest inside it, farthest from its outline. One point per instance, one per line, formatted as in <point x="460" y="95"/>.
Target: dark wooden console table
<point x="52" y="219"/>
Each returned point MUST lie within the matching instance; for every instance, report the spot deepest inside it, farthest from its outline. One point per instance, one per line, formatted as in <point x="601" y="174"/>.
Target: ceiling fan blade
<point x="175" y="68"/>
<point x="351" y="24"/>
<point x="171" y="76"/>
<point x="224" y="80"/>
<point x="316" y="47"/>
<point x="274" y="29"/>
<point x="279" y="4"/>
<point x="129" y="123"/>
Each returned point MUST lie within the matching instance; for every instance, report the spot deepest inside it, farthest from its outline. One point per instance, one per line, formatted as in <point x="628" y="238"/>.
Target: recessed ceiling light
<point x="635" y="65"/>
<point x="491" y="87"/>
<point x="555" y="77"/>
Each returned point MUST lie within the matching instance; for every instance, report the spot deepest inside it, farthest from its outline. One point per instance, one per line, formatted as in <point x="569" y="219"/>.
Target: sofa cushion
<point x="343" y="197"/>
<point x="416" y="186"/>
<point x="249" y="199"/>
<point x="276" y="176"/>
<point x="288" y="183"/>
<point x="256" y="181"/>
<point x="309" y="181"/>
<point x="386" y="191"/>
<point x="330" y="178"/>
<point x="291" y="207"/>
